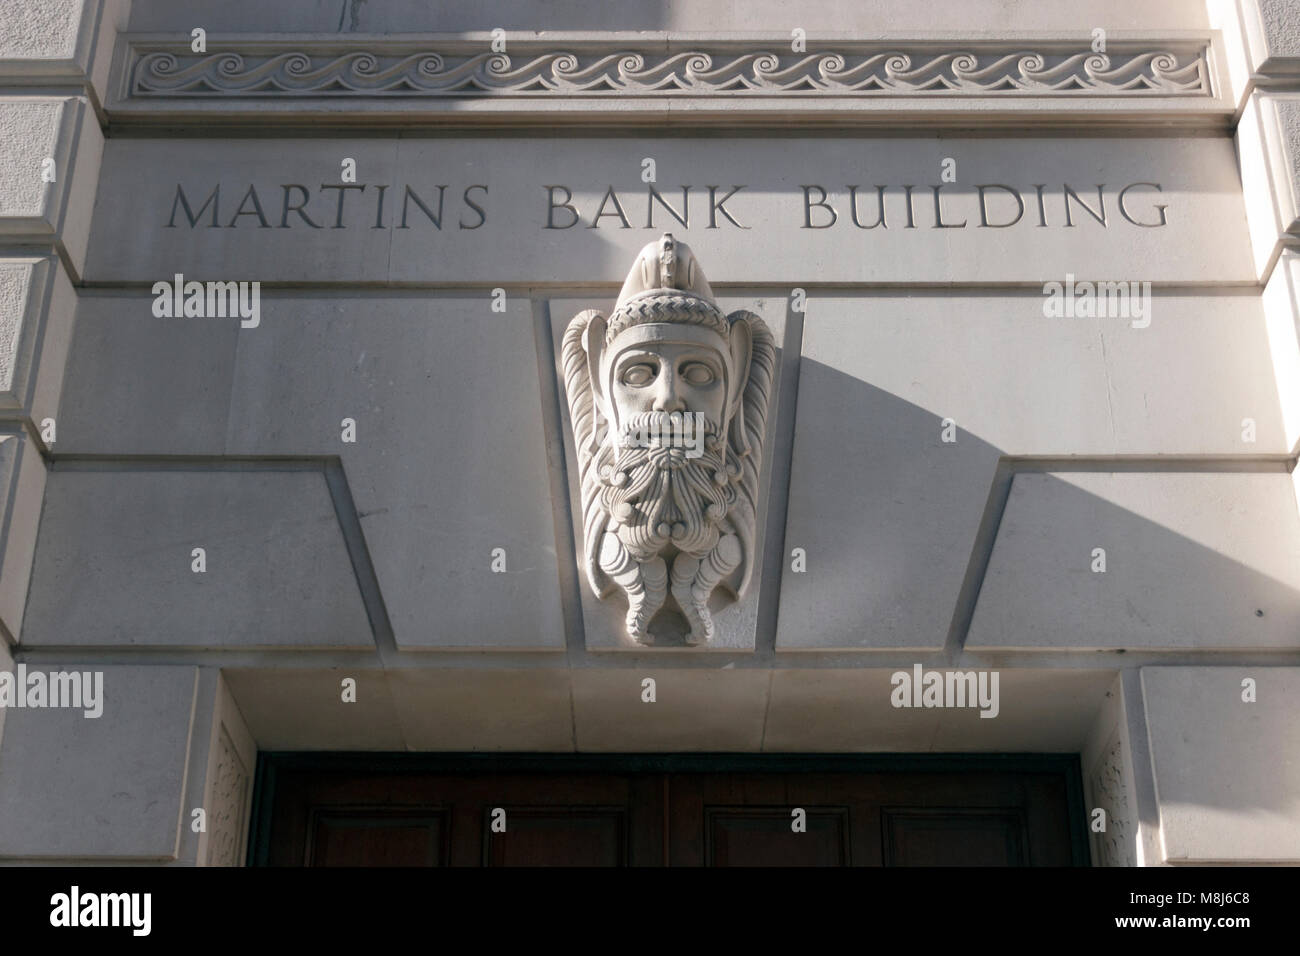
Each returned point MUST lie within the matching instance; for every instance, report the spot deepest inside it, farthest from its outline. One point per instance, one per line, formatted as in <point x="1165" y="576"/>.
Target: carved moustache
<point x="661" y="492"/>
<point x="671" y="436"/>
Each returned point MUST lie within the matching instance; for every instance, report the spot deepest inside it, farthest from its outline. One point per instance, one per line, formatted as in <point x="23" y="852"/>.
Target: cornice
<point x="542" y="77"/>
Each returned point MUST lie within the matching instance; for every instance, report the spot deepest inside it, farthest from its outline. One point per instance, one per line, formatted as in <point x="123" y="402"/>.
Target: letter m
<point x="961" y="688"/>
<point x="119" y="904"/>
<point x="1112" y="300"/>
<point x="214" y="198"/>
<point x="66" y="686"/>
<point x="223" y="299"/>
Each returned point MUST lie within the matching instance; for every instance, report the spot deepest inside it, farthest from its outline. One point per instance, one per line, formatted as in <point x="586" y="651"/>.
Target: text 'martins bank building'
<point x="649" y="433"/>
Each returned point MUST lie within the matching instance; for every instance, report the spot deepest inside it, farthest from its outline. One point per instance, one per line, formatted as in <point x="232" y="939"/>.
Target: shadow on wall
<point x="899" y="526"/>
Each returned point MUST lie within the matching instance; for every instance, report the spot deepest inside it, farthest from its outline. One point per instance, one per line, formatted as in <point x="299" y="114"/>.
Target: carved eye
<point x="697" y="373"/>
<point x="639" y="375"/>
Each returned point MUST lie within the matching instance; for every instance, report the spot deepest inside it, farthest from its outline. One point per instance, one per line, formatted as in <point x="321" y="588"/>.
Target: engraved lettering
<point x="1159" y="207"/>
<point x="213" y="200"/>
<point x="411" y="194"/>
<point x="717" y="206"/>
<point x="809" y="202"/>
<point x="285" y="208"/>
<point x="551" y="206"/>
<point x="880" y="208"/>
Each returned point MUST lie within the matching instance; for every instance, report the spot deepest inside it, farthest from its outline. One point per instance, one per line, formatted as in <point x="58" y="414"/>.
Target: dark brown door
<point x="629" y="817"/>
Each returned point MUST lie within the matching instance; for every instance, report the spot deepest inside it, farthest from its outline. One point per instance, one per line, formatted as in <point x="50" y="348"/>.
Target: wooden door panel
<point x="377" y="836"/>
<point x="754" y="836"/>
<point x="575" y="836"/>
<point x="696" y="818"/>
<point x="954" y="836"/>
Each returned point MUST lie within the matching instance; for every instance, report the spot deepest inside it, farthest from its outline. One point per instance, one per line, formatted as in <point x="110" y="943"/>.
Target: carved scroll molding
<point x="229" y="802"/>
<point x="1109" y="791"/>
<point x="614" y="68"/>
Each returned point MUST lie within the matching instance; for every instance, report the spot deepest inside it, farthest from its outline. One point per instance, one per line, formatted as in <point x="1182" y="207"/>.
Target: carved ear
<point x="593" y="343"/>
<point x="742" y="344"/>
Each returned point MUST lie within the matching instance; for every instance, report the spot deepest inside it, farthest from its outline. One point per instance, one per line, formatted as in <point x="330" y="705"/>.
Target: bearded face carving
<point x="668" y="399"/>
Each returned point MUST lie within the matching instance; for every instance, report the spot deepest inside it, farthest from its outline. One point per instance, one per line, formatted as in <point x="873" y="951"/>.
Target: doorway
<point x="668" y="809"/>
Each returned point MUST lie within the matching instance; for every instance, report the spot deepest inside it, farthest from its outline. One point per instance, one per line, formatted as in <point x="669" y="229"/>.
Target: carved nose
<point x="666" y="397"/>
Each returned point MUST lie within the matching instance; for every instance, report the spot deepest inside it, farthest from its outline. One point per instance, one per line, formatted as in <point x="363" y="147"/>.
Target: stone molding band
<point x="532" y="68"/>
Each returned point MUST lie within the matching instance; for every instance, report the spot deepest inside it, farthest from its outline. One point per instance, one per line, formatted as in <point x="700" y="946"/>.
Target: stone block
<point x="108" y="788"/>
<point x="1227" y="772"/>
<point x="59" y="41"/>
<point x="1281" y="303"/>
<point x="852" y="711"/>
<point x="140" y="385"/>
<point x="37" y="308"/>
<point x="1268" y="142"/>
<point x="6" y="664"/>
<point x="42" y="136"/>
<point x="22" y="488"/>
<point x="301" y="709"/>
<point x="1272" y="31"/>
<point x="717" y="709"/>
<point x="464" y="709"/>
<point x="278" y="571"/>
<point x="1193" y="561"/>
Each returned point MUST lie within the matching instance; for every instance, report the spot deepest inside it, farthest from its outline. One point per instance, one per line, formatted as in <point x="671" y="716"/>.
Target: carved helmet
<point x="666" y="284"/>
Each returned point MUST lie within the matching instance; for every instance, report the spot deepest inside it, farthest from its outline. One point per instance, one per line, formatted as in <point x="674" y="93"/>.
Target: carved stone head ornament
<point x="668" y="399"/>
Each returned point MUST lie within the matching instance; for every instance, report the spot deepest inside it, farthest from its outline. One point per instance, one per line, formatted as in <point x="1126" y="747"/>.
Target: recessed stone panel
<point x="1199" y="561"/>
<point x="575" y="210"/>
<point x="107" y="787"/>
<point x="275" y="569"/>
<point x="1227" y="771"/>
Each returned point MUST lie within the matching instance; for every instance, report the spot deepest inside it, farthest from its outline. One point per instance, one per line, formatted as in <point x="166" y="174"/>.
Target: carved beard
<point x="658" y="495"/>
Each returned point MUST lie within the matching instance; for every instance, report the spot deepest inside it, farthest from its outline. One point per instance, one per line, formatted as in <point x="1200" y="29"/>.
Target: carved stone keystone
<point x="668" y="398"/>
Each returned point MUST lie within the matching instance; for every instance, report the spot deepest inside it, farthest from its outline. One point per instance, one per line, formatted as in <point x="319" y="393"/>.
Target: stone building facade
<point x="1031" y="272"/>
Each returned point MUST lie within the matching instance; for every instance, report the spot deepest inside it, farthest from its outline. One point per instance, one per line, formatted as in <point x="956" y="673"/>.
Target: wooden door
<point x="630" y="816"/>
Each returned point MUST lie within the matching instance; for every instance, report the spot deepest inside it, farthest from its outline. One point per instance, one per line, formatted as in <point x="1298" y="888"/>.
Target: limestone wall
<point x="1097" y="502"/>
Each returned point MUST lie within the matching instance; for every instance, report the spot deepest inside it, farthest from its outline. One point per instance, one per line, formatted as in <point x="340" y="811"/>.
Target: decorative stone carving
<point x="1114" y="847"/>
<point x="669" y="399"/>
<point x="1011" y="68"/>
<point x="228" y="802"/>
